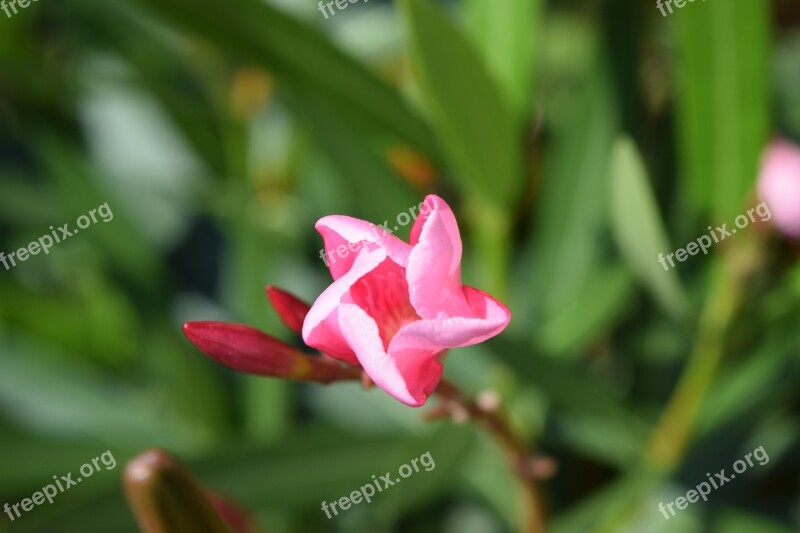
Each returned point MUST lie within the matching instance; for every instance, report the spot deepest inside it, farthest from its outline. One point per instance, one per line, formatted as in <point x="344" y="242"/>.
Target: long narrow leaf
<point x="474" y="124"/>
<point x="638" y="230"/>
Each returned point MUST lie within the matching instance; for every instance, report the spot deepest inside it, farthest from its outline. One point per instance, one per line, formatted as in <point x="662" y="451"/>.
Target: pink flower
<point x="396" y="307"/>
<point x="779" y="185"/>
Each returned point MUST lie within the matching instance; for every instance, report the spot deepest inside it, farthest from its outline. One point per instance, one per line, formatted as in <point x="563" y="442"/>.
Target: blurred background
<point x="575" y="140"/>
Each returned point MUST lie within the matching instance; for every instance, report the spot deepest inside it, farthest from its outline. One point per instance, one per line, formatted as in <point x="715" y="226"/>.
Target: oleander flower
<point x="779" y="185"/>
<point x="395" y="308"/>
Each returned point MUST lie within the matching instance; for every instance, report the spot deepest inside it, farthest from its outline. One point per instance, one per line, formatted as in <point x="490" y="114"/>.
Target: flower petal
<point x="408" y="375"/>
<point x="345" y="238"/>
<point x="321" y="326"/>
<point x="434" y="266"/>
<point x="487" y="319"/>
<point x="425" y="210"/>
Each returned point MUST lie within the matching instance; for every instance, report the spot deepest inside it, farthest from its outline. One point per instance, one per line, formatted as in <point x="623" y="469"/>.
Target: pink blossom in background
<point x="779" y="185"/>
<point x="395" y="307"/>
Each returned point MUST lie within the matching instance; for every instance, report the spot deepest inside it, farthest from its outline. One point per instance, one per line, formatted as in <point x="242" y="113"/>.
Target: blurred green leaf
<point x="300" y="56"/>
<point x="506" y="34"/>
<point x="744" y="388"/>
<point x="98" y="406"/>
<point x="570" y="215"/>
<point x="88" y="316"/>
<point x="30" y="461"/>
<point x="374" y="190"/>
<point x="787" y="68"/>
<point x="723" y="84"/>
<point x="638" y="229"/>
<point x="486" y="473"/>
<point x="25" y="204"/>
<point x="474" y="124"/>
<point x="298" y="473"/>
<point x="588" y="513"/>
<point x="591" y="313"/>
<point x="169" y="76"/>
<point x="76" y="182"/>
<point x="572" y="391"/>
<point x="740" y="521"/>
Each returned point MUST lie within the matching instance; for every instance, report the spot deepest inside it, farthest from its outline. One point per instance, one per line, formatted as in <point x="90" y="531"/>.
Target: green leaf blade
<point x="638" y="230"/>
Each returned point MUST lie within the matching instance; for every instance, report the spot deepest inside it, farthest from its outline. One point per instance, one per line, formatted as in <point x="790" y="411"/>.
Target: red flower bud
<point x="291" y="310"/>
<point x="249" y="350"/>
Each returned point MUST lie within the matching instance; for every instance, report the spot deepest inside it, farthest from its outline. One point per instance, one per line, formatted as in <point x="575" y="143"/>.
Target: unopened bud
<point x="249" y="350"/>
<point x="291" y="310"/>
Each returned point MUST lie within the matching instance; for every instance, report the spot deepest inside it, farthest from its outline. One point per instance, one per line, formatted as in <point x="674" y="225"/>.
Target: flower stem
<point x="531" y="506"/>
<point x="672" y="434"/>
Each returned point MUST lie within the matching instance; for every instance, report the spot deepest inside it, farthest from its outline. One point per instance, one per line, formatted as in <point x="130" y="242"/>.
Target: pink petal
<point x="321" y="326"/>
<point x="434" y="266"/>
<point x="383" y="295"/>
<point x="408" y="375"/>
<point x="346" y="237"/>
<point x="425" y="210"/>
<point x="487" y="318"/>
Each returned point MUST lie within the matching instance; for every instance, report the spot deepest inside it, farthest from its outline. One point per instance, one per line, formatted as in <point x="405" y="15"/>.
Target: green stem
<point x="491" y="227"/>
<point x="673" y="432"/>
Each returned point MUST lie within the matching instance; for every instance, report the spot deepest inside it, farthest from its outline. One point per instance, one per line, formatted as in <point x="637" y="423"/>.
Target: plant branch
<point x="531" y="506"/>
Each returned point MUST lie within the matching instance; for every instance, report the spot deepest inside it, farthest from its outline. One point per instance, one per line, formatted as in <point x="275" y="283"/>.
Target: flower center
<point x="383" y="294"/>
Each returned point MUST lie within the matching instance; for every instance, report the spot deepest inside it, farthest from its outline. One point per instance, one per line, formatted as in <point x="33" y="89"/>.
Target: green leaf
<point x="571" y="215"/>
<point x="731" y="520"/>
<point x="724" y="109"/>
<point x="80" y="189"/>
<point x="165" y="73"/>
<point x="638" y="230"/>
<point x="474" y="124"/>
<point x="97" y="406"/>
<point x="505" y="33"/>
<point x="29" y="461"/>
<point x="374" y="190"/>
<point x="741" y="394"/>
<point x="298" y="473"/>
<point x="573" y="392"/>
<point x="588" y="315"/>
<point x="296" y="53"/>
<point x="608" y="501"/>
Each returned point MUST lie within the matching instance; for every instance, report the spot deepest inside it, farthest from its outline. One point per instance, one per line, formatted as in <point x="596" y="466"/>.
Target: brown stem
<point x="531" y="506"/>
